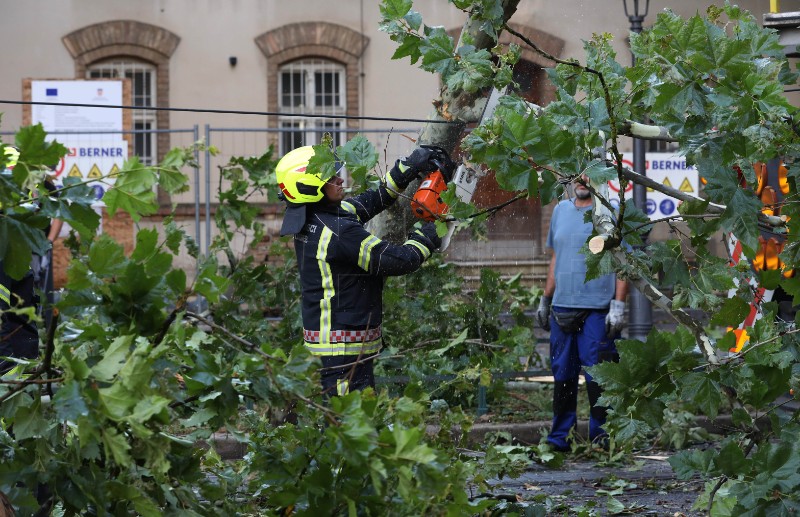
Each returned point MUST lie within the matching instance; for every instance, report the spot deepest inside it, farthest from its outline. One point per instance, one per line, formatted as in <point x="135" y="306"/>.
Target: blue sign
<point x="98" y="192"/>
<point x="614" y="202"/>
<point x="650" y="207"/>
<point x="667" y="207"/>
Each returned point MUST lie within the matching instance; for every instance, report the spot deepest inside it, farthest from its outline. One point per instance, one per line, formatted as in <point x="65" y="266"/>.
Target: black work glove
<point x="427" y="236"/>
<point x="543" y="312"/>
<point x="408" y="169"/>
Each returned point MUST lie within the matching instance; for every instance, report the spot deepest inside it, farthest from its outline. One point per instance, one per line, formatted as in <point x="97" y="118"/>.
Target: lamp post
<point x="640" y="315"/>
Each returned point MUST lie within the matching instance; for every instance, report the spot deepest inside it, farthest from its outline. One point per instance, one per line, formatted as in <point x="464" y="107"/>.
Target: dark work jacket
<point x="18" y="334"/>
<point x="342" y="269"/>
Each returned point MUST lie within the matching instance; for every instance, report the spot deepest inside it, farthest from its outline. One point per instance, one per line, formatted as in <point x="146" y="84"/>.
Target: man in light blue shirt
<point x="583" y="317"/>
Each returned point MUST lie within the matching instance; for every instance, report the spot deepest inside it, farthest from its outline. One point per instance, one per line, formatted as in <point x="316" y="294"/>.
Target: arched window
<point x="311" y="86"/>
<point x="141" y="52"/>
<point x="312" y="68"/>
<point x="143" y="93"/>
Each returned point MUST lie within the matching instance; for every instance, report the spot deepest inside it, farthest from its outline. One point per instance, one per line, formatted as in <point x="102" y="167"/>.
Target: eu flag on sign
<point x="51" y="92"/>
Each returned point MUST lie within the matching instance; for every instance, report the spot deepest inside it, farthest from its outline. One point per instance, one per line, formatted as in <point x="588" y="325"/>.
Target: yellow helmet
<point x="297" y="185"/>
<point x="11" y="156"/>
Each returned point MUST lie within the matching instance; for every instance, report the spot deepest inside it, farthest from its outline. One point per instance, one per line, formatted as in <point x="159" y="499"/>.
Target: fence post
<point x="196" y="136"/>
<point x="483" y="407"/>
<point x="208" y="190"/>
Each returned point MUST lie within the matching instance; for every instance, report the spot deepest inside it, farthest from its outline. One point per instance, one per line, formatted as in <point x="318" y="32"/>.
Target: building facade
<point x="314" y="57"/>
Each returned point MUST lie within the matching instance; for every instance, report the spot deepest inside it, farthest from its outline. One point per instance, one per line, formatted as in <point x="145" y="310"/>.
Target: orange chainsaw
<point x="427" y="202"/>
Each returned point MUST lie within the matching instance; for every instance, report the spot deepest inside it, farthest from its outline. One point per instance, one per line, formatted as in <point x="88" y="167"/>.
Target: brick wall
<point x="119" y="228"/>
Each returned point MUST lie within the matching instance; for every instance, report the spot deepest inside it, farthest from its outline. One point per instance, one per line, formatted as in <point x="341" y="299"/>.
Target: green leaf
<point x="687" y="464"/>
<point x="209" y="284"/>
<point x="702" y="390"/>
<point x="148" y="407"/>
<point x="599" y="173"/>
<point x="520" y="129"/>
<point x="414" y="20"/>
<point x="133" y="191"/>
<point x="410" y="46"/>
<point x="29" y="422"/>
<point x="453" y="343"/>
<point x="106" y="256"/>
<point x="143" y="505"/>
<point x="323" y="163"/>
<point x="359" y="156"/>
<point x="409" y="446"/>
<point x="395" y="9"/>
<point x="117" y="400"/>
<point x="116" y="446"/>
<point x="17" y="239"/>
<point x="34" y="151"/>
<point x="473" y="71"/>
<point x="113" y="359"/>
<point x="554" y="145"/>
<point x="732" y="312"/>
<point x="731" y="460"/>
<point x="176" y="280"/>
<point x="438" y="54"/>
<point x="146" y="241"/>
<point x="742" y="206"/>
<point x="69" y="403"/>
<point x="173" y="181"/>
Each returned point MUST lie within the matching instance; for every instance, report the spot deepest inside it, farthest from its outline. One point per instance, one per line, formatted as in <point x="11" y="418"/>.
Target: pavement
<point x="646" y="487"/>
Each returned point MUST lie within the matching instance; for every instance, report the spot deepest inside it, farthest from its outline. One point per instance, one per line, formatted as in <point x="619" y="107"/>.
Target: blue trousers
<point x="569" y="353"/>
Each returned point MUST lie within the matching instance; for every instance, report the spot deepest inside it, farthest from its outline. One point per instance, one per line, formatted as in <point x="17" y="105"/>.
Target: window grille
<point x="143" y="90"/>
<point x="314" y="87"/>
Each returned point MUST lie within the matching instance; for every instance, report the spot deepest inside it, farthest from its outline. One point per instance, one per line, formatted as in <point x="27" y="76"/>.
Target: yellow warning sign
<point x="94" y="172"/>
<point x="75" y="172"/>
<point x="114" y="170"/>
<point x="650" y="189"/>
<point x="686" y="186"/>
<point x="666" y="182"/>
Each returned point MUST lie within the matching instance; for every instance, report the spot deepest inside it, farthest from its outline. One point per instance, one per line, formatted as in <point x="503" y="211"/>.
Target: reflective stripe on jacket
<point x="342" y="267"/>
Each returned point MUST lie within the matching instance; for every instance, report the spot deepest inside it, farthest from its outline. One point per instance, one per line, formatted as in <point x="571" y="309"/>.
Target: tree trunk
<point x="459" y="108"/>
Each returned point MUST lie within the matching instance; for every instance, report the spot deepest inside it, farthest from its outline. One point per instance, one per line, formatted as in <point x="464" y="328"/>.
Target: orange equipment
<point x="427" y="202"/>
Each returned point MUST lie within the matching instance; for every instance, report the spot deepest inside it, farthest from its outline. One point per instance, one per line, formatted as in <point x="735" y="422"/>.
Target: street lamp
<point x="635" y="17"/>
<point x="640" y="315"/>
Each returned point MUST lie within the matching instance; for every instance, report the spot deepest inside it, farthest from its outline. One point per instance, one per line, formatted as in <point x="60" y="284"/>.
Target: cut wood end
<point x="597" y="243"/>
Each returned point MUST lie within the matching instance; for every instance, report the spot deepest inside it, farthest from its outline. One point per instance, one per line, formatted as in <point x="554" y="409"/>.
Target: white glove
<point x="615" y="319"/>
<point x="543" y="312"/>
<point x="45" y="261"/>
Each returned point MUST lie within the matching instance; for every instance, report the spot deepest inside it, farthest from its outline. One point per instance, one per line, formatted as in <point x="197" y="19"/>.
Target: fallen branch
<point x="662" y="301"/>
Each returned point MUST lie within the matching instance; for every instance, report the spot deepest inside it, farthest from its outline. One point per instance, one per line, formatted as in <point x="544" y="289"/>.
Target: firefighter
<point x="342" y="265"/>
<point x="19" y="337"/>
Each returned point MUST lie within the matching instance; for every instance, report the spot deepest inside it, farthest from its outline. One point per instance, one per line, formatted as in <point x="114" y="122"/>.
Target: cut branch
<point x="713" y="208"/>
<point x="645" y="131"/>
<point x="662" y="301"/>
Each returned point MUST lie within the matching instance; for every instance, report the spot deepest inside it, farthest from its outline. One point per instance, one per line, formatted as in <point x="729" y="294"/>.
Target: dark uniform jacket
<point x="18" y="335"/>
<point x="342" y="267"/>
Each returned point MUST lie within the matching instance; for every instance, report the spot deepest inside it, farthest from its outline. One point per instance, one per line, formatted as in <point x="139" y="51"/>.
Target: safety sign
<point x="96" y="164"/>
<point x="667" y="169"/>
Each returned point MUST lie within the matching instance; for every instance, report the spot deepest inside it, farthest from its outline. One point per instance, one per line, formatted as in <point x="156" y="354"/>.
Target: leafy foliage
<point x="140" y="377"/>
<point x="716" y="85"/>
<point x="136" y="376"/>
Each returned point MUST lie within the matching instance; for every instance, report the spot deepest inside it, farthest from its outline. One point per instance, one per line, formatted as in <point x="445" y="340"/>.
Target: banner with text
<point x="96" y="164"/>
<point x="669" y="170"/>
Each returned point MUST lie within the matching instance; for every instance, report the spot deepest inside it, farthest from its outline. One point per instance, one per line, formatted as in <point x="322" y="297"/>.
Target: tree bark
<point x="457" y="107"/>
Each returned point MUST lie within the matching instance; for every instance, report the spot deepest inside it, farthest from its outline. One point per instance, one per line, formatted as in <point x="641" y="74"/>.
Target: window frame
<point x="145" y="144"/>
<point x="303" y="97"/>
